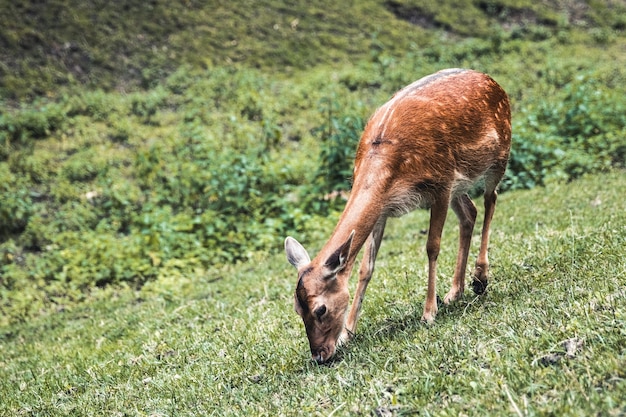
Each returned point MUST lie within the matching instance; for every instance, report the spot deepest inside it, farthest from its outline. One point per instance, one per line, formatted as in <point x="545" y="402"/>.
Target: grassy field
<point x="548" y="338"/>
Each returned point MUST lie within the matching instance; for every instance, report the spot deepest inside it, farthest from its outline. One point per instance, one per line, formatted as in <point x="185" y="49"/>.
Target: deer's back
<point x="448" y="127"/>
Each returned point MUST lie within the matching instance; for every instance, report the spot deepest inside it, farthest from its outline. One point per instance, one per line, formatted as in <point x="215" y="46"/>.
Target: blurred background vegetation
<point x="141" y="139"/>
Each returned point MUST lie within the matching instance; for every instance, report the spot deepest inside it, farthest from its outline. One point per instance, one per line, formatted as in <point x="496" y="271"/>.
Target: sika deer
<point x="425" y="147"/>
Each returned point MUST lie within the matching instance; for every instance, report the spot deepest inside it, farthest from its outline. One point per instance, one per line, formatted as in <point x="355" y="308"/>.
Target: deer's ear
<point x="337" y="261"/>
<point x="296" y="254"/>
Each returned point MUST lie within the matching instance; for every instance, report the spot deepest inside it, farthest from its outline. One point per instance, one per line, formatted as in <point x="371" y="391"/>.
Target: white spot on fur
<point x="492" y="136"/>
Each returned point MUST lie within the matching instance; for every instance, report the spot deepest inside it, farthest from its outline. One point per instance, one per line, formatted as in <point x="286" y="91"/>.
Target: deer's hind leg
<point x="480" y="276"/>
<point x="466" y="212"/>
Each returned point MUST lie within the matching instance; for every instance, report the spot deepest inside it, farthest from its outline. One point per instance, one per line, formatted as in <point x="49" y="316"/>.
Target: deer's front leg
<point x="365" y="274"/>
<point x="438" y="214"/>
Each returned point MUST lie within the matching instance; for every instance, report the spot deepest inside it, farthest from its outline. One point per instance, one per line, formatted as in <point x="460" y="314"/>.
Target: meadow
<point x="153" y="158"/>
<point x="548" y="338"/>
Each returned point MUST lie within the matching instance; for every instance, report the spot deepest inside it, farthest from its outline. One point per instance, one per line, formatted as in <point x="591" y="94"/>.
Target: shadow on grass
<point x="407" y="321"/>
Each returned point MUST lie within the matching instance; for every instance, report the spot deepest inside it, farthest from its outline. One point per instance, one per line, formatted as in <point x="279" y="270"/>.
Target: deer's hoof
<point x="479" y="286"/>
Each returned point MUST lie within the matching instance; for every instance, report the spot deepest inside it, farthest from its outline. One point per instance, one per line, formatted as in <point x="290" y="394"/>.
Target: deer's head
<point x="320" y="298"/>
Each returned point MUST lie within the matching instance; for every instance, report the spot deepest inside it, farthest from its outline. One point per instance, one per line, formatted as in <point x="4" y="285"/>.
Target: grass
<point x="548" y="338"/>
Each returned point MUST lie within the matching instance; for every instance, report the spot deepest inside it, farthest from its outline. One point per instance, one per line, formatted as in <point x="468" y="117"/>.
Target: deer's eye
<point x="319" y="312"/>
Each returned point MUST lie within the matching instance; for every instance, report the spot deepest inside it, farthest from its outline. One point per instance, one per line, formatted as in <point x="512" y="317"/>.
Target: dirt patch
<point x="509" y="16"/>
<point x="414" y="15"/>
<point x="569" y="349"/>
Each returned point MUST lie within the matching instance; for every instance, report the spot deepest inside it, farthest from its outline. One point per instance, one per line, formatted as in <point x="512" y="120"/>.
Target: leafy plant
<point x="16" y="207"/>
<point x="339" y="136"/>
<point x="582" y="133"/>
<point x="19" y="127"/>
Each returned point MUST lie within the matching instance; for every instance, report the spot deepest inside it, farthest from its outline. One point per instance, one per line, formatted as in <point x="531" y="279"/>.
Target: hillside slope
<point x="546" y="339"/>
<point x="127" y="44"/>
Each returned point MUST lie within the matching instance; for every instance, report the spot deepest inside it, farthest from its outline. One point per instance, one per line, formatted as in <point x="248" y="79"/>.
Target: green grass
<point x="227" y="341"/>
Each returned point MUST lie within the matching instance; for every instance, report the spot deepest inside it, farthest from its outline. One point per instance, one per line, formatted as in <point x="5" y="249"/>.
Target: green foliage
<point x="29" y="123"/>
<point x="581" y="130"/>
<point x="110" y="196"/>
<point x="123" y="189"/>
<point x="16" y="206"/>
<point x="339" y="136"/>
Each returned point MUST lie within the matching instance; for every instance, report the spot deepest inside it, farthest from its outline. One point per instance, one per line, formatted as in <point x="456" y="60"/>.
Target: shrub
<point x="581" y="131"/>
<point x="18" y="127"/>
<point x="83" y="166"/>
<point x="16" y="207"/>
<point x="339" y="136"/>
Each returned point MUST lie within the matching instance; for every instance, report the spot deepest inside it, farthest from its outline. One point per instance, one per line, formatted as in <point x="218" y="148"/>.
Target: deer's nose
<point x="318" y="355"/>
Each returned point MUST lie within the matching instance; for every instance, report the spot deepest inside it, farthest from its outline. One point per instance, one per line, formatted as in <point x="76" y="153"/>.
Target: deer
<point x="425" y="148"/>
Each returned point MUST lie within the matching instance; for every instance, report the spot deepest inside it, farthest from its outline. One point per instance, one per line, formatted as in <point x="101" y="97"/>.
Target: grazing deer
<point x="425" y="147"/>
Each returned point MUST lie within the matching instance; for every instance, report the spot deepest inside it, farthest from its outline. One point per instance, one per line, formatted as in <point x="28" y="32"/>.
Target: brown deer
<point x="425" y="147"/>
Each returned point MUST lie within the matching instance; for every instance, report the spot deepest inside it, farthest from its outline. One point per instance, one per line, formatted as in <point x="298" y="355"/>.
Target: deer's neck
<point x="360" y="215"/>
